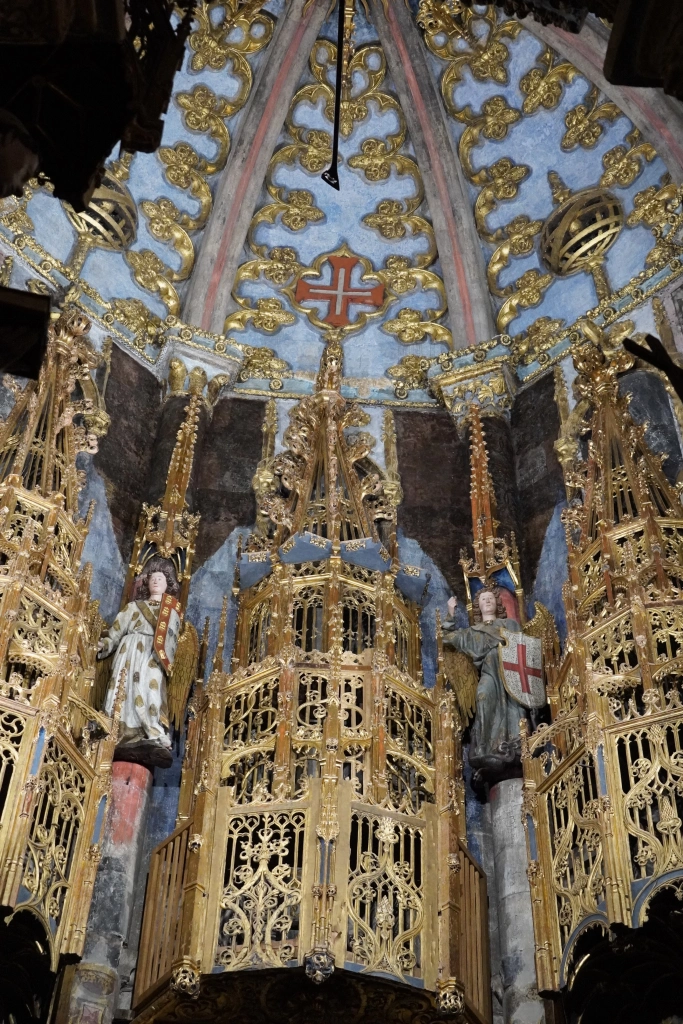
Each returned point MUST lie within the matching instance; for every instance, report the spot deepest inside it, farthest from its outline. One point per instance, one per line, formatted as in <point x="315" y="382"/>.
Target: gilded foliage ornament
<point x="448" y="26"/>
<point x="543" y="86"/>
<point x="268" y="315"/>
<point x="243" y="30"/>
<point x="410" y="374"/>
<point x="264" y="364"/>
<point x="583" y="123"/>
<point x="146" y="326"/>
<point x="527" y="290"/>
<point x="624" y="164"/>
<point x="410" y="328"/>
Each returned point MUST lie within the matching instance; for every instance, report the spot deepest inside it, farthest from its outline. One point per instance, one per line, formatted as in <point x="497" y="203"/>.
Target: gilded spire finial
<point x="493" y="555"/>
<point x="330" y="372"/>
<point x="220" y="646"/>
<point x="484" y="526"/>
<point x="169" y="529"/>
<point x="392" y="483"/>
<point x="621" y="477"/>
<point x="42" y="436"/>
<point x="560" y="191"/>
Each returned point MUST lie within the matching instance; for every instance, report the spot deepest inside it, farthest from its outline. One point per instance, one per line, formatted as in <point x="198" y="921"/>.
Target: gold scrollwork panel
<point x="55" y="840"/>
<point x="571" y="847"/>
<point x="12" y="732"/>
<point x="650" y="760"/>
<point x="389" y="894"/>
<point x="261" y="876"/>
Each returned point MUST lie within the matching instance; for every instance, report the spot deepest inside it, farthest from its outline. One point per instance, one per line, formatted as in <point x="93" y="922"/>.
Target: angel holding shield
<point x="499" y="679"/>
<point x="154" y="662"/>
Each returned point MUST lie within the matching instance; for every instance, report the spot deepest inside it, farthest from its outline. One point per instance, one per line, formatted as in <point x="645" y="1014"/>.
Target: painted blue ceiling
<point x="488" y="63"/>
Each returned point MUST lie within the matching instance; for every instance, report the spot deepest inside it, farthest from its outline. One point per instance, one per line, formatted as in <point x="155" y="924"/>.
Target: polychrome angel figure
<point x="500" y="680"/>
<point x="154" y="662"/>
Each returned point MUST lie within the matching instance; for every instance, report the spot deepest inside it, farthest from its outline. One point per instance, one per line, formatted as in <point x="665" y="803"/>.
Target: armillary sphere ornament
<point x="331" y="175"/>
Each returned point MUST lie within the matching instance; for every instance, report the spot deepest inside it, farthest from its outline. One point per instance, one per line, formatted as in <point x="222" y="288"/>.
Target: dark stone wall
<point x="133" y="400"/>
<point x="170" y="421"/>
<point x="433" y="462"/>
<point x="435" y="473"/>
<point x="650" y="404"/>
<point x="502" y="469"/>
<point x="535" y="424"/>
<point x="229" y="456"/>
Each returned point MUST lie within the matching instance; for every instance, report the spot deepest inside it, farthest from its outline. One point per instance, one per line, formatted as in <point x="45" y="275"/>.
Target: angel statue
<point x="158" y="664"/>
<point x="497" y="673"/>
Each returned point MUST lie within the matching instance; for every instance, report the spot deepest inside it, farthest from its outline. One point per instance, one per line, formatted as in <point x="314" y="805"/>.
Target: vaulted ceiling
<point x="478" y="166"/>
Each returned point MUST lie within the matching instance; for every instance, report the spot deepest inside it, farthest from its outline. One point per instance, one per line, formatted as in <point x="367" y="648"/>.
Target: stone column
<point x="480" y="845"/>
<point x="90" y="989"/>
<point x="521" y="1002"/>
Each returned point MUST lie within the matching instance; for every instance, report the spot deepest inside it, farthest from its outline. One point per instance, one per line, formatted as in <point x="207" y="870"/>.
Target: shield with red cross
<point x="522" y="667"/>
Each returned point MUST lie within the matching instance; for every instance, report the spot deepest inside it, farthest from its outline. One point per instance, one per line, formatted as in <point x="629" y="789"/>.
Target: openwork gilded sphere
<point x="110" y="218"/>
<point x="578" y="233"/>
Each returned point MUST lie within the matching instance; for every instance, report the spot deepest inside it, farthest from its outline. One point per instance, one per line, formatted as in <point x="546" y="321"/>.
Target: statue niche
<point x="500" y="679"/>
<point x="153" y="663"/>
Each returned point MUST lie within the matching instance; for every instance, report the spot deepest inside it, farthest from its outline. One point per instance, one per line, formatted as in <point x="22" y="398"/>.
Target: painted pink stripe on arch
<point x="248" y="171"/>
<point x="439" y="177"/>
<point x="636" y="98"/>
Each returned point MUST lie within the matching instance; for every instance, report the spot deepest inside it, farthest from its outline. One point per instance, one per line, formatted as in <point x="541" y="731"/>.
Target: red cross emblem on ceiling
<point x="523" y="678"/>
<point x="340" y="293"/>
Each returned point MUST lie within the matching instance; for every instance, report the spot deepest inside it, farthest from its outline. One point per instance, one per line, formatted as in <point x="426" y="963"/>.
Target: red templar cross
<point x="339" y="292"/>
<point x="524" y="670"/>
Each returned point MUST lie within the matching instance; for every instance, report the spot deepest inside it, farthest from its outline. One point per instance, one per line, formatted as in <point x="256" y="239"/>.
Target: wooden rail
<point x="161" y="923"/>
<point x="475" y="969"/>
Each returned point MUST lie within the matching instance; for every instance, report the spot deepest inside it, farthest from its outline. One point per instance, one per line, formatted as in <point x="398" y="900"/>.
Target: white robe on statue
<point x="144" y="715"/>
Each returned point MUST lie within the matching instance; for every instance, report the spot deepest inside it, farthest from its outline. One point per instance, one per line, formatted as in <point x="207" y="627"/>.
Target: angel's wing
<point x="182" y="674"/>
<point x="464" y="679"/>
<point x="102" y="678"/>
<point x="543" y="626"/>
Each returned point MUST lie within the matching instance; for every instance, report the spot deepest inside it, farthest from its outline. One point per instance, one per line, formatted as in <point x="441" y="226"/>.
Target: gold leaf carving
<point x="296" y="208"/>
<point x="163" y="219"/>
<point x="527" y="291"/>
<point x="492" y="124"/>
<point x="147" y="327"/>
<point x="205" y="112"/>
<point x="264" y="363"/>
<point x="244" y="29"/>
<point x="182" y="168"/>
<point x="447" y="27"/>
<point x="150" y="273"/>
<point x="583" y="122"/>
<point x="518" y="240"/>
<point x="542" y="87"/>
<point x="268" y="316"/>
<point x="623" y="165"/>
<point x="410" y="329"/>
<point x="410" y="374"/>
<point x="6" y="271"/>
<point x="500" y="183"/>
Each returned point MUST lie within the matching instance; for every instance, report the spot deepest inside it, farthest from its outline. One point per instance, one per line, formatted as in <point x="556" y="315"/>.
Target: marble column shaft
<point x="521" y="1002"/>
<point x="91" y="987"/>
